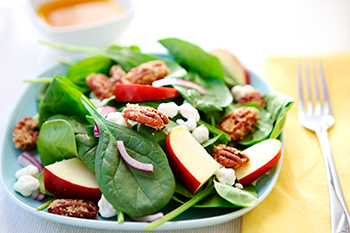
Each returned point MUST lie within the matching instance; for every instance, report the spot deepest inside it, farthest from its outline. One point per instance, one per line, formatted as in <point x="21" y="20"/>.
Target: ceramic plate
<point x="26" y="105"/>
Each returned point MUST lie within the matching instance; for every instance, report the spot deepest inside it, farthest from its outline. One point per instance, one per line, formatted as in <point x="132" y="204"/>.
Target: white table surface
<point x="252" y="30"/>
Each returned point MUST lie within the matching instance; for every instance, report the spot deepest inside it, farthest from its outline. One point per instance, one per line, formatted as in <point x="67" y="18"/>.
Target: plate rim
<point x="109" y="224"/>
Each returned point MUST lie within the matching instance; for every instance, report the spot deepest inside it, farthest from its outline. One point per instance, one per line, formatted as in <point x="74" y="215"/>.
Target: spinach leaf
<point x="129" y="59"/>
<point x="56" y="142"/>
<point x="158" y="136"/>
<point x="261" y="130"/>
<point x="278" y="105"/>
<point x="137" y="193"/>
<point x="79" y="71"/>
<point x="115" y="47"/>
<point x="216" y="97"/>
<point x="61" y="98"/>
<point x="192" y="56"/>
<point x="236" y="196"/>
<point x="85" y="140"/>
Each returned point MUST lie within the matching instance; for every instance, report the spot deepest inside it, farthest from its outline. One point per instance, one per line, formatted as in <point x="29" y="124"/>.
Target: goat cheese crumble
<point x="26" y="184"/>
<point x="30" y="170"/>
<point x="201" y="134"/>
<point x="188" y="111"/>
<point x="170" y="109"/>
<point x="105" y="208"/>
<point x="226" y="176"/>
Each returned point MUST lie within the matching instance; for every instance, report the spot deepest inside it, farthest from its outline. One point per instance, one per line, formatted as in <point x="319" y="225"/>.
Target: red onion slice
<point x="27" y="158"/>
<point x="148" y="218"/>
<point x="96" y="130"/>
<point x="104" y="110"/>
<point x="147" y="167"/>
<point x="37" y="196"/>
<point x="175" y="81"/>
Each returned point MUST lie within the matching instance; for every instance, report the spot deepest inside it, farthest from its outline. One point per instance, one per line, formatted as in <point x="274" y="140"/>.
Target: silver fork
<point x="318" y="118"/>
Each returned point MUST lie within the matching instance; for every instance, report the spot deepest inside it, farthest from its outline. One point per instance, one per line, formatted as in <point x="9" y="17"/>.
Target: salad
<point x="133" y="131"/>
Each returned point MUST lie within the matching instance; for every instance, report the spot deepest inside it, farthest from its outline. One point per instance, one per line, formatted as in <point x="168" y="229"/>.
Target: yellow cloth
<point x="299" y="201"/>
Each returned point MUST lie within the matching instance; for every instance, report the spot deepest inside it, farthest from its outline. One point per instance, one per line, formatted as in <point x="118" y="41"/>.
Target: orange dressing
<point x="63" y="13"/>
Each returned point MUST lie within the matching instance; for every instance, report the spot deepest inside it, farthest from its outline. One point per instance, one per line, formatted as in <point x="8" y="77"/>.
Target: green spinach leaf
<point x="278" y="105"/>
<point x="85" y="140"/>
<point x="137" y="193"/>
<point x="56" y="142"/>
<point x="78" y="72"/>
<point x="216" y="97"/>
<point x="61" y="98"/>
<point x="193" y="57"/>
<point x="236" y="196"/>
<point x="261" y="130"/>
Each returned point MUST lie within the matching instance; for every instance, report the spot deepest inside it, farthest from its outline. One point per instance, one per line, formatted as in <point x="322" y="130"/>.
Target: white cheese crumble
<point x="117" y="117"/>
<point x="26" y="184"/>
<point x="105" y="208"/>
<point x="239" y="185"/>
<point x="190" y="124"/>
<point x="238" y="91"/>
<point x="201" y="134"/>
<point x="226" y="176"/>
<point x="170" y="109"/>
<point x="30" y="170"/>
<point x="188" y="111"/>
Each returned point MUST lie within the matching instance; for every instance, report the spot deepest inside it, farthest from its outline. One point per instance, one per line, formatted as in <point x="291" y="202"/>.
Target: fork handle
<point x="340" y="218"/>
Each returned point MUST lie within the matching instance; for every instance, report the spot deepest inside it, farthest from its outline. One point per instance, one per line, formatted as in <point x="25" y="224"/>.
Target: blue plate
<point x="26" y="105"/>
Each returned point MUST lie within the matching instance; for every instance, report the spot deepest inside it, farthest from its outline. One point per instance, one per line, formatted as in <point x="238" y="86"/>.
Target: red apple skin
<point x="217" y="53"/>
<point x="66" y="189"/>
<point x="249" y="178"/>
<point x="184" y="175"/>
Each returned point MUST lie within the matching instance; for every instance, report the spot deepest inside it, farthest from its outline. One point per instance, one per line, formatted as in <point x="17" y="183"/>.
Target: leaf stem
<point x="71" y="48"/>
<point x="45" y="205"/>
<point x="180" y="209"/>
<point x="39" y="80"/>
<point x="120" y="216"/>
<point x="65" y="61"/>
<point x="214" y="130"/>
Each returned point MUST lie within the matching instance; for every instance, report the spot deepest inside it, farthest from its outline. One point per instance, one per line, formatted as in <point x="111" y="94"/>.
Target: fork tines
<point x="316" y="102"/>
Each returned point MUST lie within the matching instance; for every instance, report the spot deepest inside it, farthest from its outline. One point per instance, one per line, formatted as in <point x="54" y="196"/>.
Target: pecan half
<point x="229" y="156"/>
<point x="146" y="73"/>
<point x="253" y="96"/>
<point x="239" y="122"/>
<point x="117" y="74"/>
<point x="26" y="133"/>
<point x="74" y="208"/>
<point x="145" y="115"/>
<point x="100" y="85"/>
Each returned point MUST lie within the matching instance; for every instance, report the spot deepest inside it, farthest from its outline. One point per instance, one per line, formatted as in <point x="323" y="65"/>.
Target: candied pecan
<point x="100" y="85"/>
<point x="145" y="115"/>
<point x="229" y="156"/>
<point x="117" y="74"/>
<point x="26" y="133"/>
<point x="146" y="73"/>
<point x="239" y="122"/>
<point x="78" y="208"/>
<point x="253" y="96"/>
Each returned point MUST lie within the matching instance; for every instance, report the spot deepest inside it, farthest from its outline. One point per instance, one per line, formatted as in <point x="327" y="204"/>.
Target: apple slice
<point x="232" y="65"/>
<point x="262" y="157"/>
<point x="71" y="179"/>
<point x="188" y="159"/>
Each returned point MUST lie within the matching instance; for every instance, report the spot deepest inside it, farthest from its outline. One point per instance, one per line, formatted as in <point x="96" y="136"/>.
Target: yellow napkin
<point x="299" y="201"/>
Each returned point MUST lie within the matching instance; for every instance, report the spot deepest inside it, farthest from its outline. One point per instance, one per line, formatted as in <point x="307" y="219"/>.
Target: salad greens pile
<point x="66" y="118"/>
